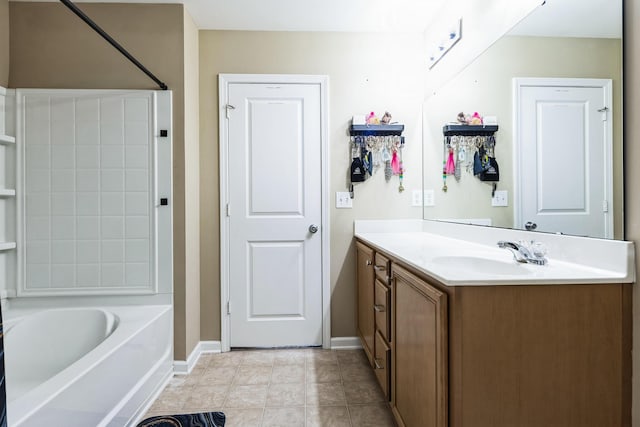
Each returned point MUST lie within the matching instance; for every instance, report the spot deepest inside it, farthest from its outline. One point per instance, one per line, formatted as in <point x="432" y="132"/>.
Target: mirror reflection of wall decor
<point x="551" y="43"/>
<point x="470" y="148"/>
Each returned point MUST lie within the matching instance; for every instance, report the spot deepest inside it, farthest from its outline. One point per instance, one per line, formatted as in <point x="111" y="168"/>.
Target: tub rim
<point x="132" y="322"/>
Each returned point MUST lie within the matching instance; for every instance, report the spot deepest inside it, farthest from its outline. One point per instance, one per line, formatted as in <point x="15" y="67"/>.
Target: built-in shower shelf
<point x="6" y="139"/>
<point x="6" y="246"/>
<point x="7" y="192"/>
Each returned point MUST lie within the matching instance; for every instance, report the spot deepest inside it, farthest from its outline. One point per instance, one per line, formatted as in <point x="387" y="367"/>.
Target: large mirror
<point x="554" y="84"/>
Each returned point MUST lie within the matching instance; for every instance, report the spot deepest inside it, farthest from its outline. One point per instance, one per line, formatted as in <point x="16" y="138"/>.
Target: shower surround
<point x="86" y="192"/>
<point x="92" y="222"/>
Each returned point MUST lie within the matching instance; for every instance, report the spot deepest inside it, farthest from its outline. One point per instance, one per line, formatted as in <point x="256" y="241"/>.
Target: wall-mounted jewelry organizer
<point x="373" y="147"/>
<point x="470" y="148"/>
<point x="376" y="130"/>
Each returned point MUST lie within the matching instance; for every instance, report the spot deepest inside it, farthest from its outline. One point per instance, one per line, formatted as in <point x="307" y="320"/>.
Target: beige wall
<point x="486" y="86"/>
<point x="632" y="173"/>
<point x="192" y="181"/>
<point x="4" y="43"/>
<point x="52" y="48"/>
<point x="367" y="72"/>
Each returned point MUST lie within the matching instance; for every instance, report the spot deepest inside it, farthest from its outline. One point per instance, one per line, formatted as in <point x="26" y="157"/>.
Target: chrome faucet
<point x="524" y="254"/>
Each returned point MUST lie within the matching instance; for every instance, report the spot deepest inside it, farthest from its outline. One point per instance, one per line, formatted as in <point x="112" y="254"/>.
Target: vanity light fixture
<point x="438" y="50"/>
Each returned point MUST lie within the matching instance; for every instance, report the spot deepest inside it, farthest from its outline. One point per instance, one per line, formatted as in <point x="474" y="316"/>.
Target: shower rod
<point x="112" y="42"/>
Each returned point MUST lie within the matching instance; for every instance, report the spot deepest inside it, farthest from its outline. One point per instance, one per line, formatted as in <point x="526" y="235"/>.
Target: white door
<point x="275" y="212"/>
<point x="563" y="151"/>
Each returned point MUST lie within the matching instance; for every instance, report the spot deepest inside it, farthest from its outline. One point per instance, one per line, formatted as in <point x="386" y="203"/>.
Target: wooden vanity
<point x="494" y="355"/>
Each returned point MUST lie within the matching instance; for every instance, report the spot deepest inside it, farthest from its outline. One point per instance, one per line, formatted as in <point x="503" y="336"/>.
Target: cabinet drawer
<point x="381" y="267"/>
<point x="382" y="363"/>
<point x="382" y="308"/>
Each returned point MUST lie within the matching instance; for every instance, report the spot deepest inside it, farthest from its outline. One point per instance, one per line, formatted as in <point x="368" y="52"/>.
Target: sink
<point x="480" y="265"/>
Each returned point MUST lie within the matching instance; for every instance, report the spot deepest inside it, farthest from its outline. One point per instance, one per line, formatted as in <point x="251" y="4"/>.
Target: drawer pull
<point x="369" y="262"/>
<point x="379" y="308"/>
<point x="380" y="267"/>
<point x="378" y="362"/>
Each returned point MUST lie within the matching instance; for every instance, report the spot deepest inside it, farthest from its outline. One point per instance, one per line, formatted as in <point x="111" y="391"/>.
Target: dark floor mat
<point x="202" y="419"/>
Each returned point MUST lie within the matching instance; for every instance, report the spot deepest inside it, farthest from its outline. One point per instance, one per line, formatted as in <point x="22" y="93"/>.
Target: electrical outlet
<point x="500" y="198"/>
<point x="429" y="198"/>
<point x="416" y="198"/>
<point x="343" y="200"/>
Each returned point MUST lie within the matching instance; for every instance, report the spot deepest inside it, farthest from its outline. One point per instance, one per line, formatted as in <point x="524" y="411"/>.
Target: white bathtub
<point x="85" y="366"/>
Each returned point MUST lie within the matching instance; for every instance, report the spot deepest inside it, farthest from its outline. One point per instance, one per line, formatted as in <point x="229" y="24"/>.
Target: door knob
<point x="530" y="226"/>
<point x="313" y="228"/>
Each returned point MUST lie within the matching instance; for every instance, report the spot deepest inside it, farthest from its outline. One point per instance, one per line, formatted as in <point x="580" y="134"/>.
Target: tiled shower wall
<point x="87" y="187"/>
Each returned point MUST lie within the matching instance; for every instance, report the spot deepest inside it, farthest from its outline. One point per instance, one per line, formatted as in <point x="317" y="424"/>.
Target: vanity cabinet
<point x="546" y="355"/>
<point x="419" y="351"/>
<point x="499" y="355"/>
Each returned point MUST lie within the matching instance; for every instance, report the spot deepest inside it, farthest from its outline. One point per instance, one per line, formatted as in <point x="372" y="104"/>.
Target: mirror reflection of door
<point x="563" y="140"/>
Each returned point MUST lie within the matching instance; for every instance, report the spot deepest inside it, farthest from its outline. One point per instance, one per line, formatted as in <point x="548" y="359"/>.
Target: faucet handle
<point x="538" y="249"/>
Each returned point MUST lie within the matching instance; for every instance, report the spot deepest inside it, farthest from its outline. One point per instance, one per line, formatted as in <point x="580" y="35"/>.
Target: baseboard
<point x="210" y="347"/>
<point x="345" y="343"/>
<point x="181" y="367"/>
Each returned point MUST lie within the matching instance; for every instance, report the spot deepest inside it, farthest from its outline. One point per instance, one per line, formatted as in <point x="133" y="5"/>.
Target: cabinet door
<point x="419" y="352"/>
<point x="365" y="279"/>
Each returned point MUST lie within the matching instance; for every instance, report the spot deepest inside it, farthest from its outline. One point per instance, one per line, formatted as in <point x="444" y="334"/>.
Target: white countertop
<point x="438" y="250"/>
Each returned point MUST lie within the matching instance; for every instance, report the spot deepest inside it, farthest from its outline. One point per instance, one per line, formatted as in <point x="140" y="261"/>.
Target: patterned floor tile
<point x="243" y="417"/>
<point x="297" y="387"/>
<point x="324" y="416"/>
<point x="377" y="415"/>
<point x="284" y="417"/>
<point x="246" y="396"/>
<point x="325" y="394"/>
<point x="286" y="395"/>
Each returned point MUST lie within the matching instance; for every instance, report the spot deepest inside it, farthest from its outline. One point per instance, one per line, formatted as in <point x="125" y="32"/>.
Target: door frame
<point x="224" y="80"/>
<point x="607" y="85"/>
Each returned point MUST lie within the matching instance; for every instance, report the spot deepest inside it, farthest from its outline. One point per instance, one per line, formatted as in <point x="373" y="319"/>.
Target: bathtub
<point x="85" y="366"/>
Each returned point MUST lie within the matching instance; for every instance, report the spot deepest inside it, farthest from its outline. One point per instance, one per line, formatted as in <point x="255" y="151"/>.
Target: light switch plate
<point x="500" y="198"/>
<point x="416" y="198"/>
<point x="343" y="200"/>
<point x="422" y="198"/>
<point x="429" y="198"/>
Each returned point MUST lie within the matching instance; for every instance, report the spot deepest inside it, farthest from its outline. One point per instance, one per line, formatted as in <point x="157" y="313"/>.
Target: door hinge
<point x="604" y="112"/>
<point x="605" y="206"/>
<point x="228" y="210"/>
<point x="229" y="107"/>
<point x="228" y="307"/>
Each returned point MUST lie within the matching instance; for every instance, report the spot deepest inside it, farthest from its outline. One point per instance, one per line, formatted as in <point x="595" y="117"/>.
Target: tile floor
<point x="306" y="387"/>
